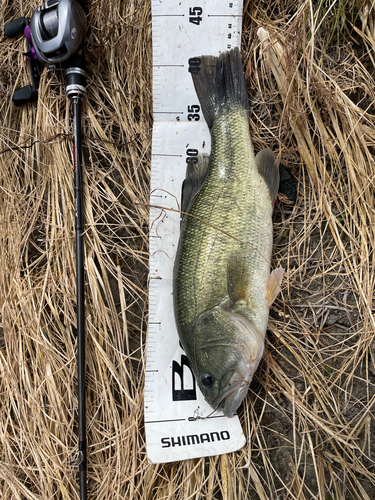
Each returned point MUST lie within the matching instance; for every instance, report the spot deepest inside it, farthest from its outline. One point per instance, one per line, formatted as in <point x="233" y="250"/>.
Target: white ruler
<point x="179" y="423"/>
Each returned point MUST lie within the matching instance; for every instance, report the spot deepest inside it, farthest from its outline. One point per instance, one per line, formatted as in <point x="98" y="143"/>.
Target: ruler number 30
<point x="194" y="15"/>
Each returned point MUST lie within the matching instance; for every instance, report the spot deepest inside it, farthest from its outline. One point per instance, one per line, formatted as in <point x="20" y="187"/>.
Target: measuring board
<point x="179" y="423"/>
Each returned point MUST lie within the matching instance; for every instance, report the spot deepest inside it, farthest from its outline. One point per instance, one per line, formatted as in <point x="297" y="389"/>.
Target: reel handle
<point x="25" y="94"/>
<point x="29" y="93"/>
<point x="16" y="27"/>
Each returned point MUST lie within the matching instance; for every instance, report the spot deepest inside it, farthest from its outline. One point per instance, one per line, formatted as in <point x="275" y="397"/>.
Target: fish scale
<point x="236" y="200"/>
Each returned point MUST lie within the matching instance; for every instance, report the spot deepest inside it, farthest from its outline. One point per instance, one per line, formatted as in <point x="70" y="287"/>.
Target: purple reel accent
<point x="27" y="32"/>
<point x="28" y="37"/>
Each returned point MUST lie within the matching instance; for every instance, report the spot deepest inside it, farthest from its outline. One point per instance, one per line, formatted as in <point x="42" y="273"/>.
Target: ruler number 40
<point x="195" y="65"/>
<point x="194" y="15"/>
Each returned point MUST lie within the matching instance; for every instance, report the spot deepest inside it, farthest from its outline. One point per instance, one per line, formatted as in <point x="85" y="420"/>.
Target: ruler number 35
<point x="194" y="15"/>
<point x="193" y="113"/>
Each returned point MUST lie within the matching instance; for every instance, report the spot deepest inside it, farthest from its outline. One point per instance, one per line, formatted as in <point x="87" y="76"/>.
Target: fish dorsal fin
<point x="196" y="174"/>
<point x="274" y="284"/>
<point x="268" y="168"/>
<point x="238" y="278"/>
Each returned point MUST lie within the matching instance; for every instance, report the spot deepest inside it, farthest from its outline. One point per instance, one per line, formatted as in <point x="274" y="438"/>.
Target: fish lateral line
<point x="208" y="224"/>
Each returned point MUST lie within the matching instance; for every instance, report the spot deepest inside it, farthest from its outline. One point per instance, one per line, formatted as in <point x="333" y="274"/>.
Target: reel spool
<point x="57" y="28"/>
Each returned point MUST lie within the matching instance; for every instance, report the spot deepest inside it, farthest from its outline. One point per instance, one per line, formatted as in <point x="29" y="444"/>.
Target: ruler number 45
<point x="194" y="15"/>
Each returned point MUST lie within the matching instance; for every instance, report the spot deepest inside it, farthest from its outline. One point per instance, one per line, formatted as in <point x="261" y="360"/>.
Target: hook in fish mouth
<point x="234" y="395"/>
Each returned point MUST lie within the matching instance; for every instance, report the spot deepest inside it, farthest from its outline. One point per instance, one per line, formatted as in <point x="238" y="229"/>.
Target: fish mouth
<point x="232" y="398"/>
<point x="236" y="388"/>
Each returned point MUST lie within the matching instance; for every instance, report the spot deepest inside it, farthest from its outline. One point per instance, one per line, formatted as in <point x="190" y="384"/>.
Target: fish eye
<point x="207" y="380"/>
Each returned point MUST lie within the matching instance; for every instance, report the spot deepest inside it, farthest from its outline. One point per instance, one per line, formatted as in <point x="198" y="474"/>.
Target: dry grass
<point x="310" y="415"/>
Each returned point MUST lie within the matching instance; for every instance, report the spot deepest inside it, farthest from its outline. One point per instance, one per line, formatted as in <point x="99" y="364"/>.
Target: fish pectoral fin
<point x="196" y="174"/>
<point x="268" y="168"/>
<point x="274" y="284"/>
<point x="238" y="278"/>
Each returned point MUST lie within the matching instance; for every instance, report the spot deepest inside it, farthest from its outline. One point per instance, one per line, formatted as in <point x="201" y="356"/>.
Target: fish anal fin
<point x="268" y="168"/>
<point x="274" y="284"/>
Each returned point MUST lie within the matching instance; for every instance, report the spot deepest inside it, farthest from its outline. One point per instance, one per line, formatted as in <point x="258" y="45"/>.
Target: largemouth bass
<point x="223" y="287"/>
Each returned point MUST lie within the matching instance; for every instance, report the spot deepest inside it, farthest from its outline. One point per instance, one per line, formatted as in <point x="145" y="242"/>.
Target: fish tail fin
<point x="220" y="82"/>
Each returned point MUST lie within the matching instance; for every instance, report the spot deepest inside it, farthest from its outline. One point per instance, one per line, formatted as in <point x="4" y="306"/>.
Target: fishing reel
<point x="53" y="36"/>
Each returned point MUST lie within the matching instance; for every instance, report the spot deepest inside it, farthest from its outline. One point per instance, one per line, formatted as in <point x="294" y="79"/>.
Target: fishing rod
<point x="54" y="34"/>
<point x="76" y="79"/>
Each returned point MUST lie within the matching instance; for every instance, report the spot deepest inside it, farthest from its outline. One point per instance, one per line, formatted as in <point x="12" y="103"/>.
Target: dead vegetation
<point x="310" y="415"/>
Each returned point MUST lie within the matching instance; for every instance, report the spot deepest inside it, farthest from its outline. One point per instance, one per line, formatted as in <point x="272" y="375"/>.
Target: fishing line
<point x="208" y="224"/>
<point x="198" y="417"/>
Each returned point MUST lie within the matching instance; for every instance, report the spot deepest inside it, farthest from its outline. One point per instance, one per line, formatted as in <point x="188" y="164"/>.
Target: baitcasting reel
<point x="57" y="29"/>
<point x="53" y="35"/>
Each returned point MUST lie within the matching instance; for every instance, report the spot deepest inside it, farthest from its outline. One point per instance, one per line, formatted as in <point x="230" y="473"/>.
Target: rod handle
<point x="25" y="94"/>
<point x="16" y="27"/>
<point x="75" y="76"/>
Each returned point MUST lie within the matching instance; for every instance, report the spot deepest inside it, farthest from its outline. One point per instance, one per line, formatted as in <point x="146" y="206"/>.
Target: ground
<point x="309" y="416"/>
